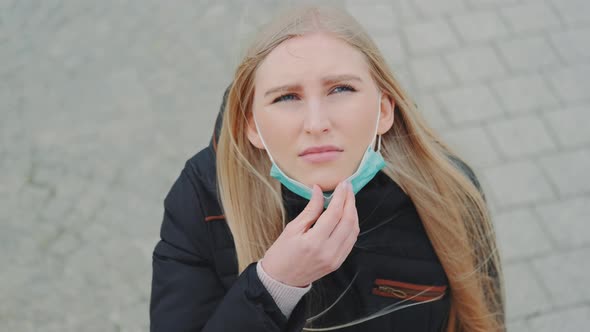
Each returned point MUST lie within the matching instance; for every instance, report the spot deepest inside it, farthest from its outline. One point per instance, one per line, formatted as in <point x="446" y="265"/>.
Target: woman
<point x="324" y="202"/>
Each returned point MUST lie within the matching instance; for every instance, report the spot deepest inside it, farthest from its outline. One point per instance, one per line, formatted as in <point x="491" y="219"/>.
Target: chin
<point x="328" y="184"/>
<point x="328" y="187"/>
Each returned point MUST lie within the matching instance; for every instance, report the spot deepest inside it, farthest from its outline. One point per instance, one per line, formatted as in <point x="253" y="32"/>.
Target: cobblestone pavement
<point x="102" y="102"/>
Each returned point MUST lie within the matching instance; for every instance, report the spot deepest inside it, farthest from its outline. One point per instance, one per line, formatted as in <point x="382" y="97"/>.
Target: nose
<point x="316" y="119"/>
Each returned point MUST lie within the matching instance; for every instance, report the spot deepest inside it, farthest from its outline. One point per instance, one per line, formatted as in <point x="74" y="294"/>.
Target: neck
<point x="377" y="200"/>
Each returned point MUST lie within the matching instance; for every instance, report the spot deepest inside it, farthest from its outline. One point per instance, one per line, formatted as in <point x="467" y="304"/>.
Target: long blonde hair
<point x="452" y="209"/>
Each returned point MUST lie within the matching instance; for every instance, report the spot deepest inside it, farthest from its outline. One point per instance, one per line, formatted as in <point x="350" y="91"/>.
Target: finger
<point x="348" y="223"/>
<point x="330" y="218"/>
<point x="346" y="246"/>
<point x="312" y="210"/>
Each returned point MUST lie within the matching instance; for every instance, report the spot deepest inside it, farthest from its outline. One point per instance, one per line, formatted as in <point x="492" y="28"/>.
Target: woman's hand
<point x="303" y="254"/>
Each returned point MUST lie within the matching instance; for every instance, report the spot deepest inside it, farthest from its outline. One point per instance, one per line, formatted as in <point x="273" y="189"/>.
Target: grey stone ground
<point x="102" y="102"/>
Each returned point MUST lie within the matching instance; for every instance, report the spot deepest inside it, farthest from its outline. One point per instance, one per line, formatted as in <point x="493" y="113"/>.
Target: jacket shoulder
<point x="187" y="205"/>
<point x="202" y="169"/>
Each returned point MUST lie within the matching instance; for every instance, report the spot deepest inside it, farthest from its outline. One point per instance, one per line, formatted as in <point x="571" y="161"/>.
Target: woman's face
<point x="316" y="107"/>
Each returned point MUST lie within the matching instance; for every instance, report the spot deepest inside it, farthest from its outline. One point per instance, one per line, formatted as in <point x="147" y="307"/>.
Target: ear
<point x="252" y="133"/>
<point x="387" y="114"/>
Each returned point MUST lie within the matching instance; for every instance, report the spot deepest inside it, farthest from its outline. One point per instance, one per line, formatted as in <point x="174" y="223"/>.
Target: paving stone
<point x="525" y="93"/>
<point x="406" y="11"/>
<point x="522" y="136"/>
<point x="567" y="221"/>
<point x="564" y="276"/>
<point x="42" y="301"/>
<point x="431" y="110"/>
<point x="14" y="174"/>
<point x="568" y="171"/>
<point x="435" y="8"/>
<point x="27" y="236"/>
<point x="47" y="175"/>
<point x="132" y="318"/>
<point x="527" y="295"/>
<point x="66" y="192"/>
<point x="574" y="319"/>
<point x="14" y="276"/>
<point x="123" y="270"/>
<point x="478" y="63"/>
<point x="487" y="190"/>
<point x="474" y="144"/>
<point x="572" y="44"/>
<point x="11" y="127"/>
<point x="520" y="235"/>
<point x="570" y="82"/>
<point x="87" y="204"/>
<point x="479" y="26"/>
<point x="431" y="72"/>
<point x="34" y="197"/>
<point x="572" y="11"/>
<point x="404" y="77"/>
<point x="137" y="219"/>
<point x="92" y="324"/>
<point x="65" y="244"/>
<point x="517" y="183"/>
<point x="133" y="268"/>
<point x="570" y="125"/>
<point x="531" y="16"/>
<point x="391" y="46"/>
<point x="376" y="18"/>
<point x="530" y="53"/>
<point x="491" y="3"/>
<point x="431" y="36"/>
<point x="8" y="324"/>
<point x="470" y="104"/>
<point x="518" y="326"/>
<point x="157" y="173"/>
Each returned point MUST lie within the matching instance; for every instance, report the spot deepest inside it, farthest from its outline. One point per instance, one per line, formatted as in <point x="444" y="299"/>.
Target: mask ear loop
<point x="262" y="139"/>
<point x="377" y="124"/>
<point x="378" y="143"/>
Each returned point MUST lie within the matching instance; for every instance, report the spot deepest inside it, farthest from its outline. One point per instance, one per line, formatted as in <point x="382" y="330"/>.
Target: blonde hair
<point x="451" y="207"/>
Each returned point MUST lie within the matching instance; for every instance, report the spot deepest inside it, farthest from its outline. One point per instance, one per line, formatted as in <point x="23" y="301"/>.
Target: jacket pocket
<point x="407" y="291"/>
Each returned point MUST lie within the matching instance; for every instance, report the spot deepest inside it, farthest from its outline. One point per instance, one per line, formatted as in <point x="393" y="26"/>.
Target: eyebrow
<point x="325" y="80"/>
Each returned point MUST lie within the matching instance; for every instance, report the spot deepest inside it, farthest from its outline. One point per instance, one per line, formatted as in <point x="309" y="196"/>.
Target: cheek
<point x="357" y="125"/>
<point x="279" y="131"/>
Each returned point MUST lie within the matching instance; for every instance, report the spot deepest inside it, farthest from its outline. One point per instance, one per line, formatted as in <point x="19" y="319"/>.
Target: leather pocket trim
<point x="407" y="291"/>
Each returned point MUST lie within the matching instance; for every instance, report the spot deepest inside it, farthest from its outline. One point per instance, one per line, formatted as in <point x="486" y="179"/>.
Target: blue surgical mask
<point x="371" y="163"/>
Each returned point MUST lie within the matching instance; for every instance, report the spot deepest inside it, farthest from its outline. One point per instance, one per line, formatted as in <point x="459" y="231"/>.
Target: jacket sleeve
<point x="186" y="293"/>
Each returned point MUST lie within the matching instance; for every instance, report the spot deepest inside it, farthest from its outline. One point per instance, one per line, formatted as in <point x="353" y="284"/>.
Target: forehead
<point x="310" y="56"/>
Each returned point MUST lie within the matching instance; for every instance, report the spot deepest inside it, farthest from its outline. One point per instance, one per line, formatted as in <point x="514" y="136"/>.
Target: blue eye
<point x="291" y="96"/>
<point x="286" y="97"/>
<point x="344" y="87"/>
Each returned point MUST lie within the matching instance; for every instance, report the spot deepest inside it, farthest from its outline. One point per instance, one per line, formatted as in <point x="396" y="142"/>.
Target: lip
<point x="319" y="154"/>
<point x="320" y="149"/>
<point x="321" y="157"/>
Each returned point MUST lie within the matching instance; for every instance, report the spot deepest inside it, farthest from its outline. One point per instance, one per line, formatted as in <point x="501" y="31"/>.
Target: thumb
<point x="313" y="209"/>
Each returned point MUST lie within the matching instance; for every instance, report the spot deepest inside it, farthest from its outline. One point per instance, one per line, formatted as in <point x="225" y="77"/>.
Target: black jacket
<point x="196" y="286"/>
